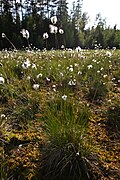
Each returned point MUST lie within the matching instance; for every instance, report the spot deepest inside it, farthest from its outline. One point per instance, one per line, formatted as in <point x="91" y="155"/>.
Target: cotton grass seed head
<point x="72" y="82"/>
<point x="34" y="66"/>
<point x="108" y="53"/>
<point x="89" y="66"/>
<point x="71" y="69"/>
<point x="36" y="86"/>
<point x="39" y="75"/>
<point x="3" y="116"/>
<point x="26" y="64"/>
<point x="3" y="35"/>
<point x="64" y="97"/>
<point x="61" y="31"/>
<point x="53" y="29"/>
<point x="2" y="80"/>
<point x="25" y="33"/>
<point x="45" y="35"/>
<point x="53" y="19"/>
<point x="78" y="49"/>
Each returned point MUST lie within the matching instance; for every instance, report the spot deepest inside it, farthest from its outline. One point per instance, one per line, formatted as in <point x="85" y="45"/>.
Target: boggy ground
<point x="22" y="149"/>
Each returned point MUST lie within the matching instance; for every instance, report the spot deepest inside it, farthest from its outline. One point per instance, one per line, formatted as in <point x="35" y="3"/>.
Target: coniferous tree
<point x="62" y="15"/>
<point x="79" y="21"/>
<point x="34" y="15"/>
<point x="7" y="25"/>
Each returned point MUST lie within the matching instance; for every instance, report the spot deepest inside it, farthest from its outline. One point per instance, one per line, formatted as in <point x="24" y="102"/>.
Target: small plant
<point x="113" y="114"/>
<point x="66" y="121"/>
<point x="97" y="91"/>
<point x="21" y="110"/>
<point x="66" y="126"/>
<point x="4" y="36"/>
<point x="116" y="78"/>
<point x="3" y="164"/>
<point x="25" y="33"/>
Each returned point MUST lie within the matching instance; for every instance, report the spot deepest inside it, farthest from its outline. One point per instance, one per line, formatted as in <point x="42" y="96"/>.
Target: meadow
<point x="60" y="115"/>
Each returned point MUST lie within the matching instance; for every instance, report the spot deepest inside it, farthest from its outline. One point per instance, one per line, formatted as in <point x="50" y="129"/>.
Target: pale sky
<point x="109" y="9"/>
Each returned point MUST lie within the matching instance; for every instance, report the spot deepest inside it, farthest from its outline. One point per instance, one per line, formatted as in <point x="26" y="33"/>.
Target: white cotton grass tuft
<point x="61" y="31"/>
<point x="71" y="69"/>
<point x="2" y="80"/>
<point x="28" y="78"/>
<point x="108" y="53"/>
<point x="26" y="64"/>
<point x="72" y="82"/>
<point x="79" y="72"/>
<point x="89" y="66"/>
<point x="53" y="29"/>
<point x="39" y="75"/>
<point x="3" y="35"/>
<point x="45" y="35"/>
<point x="25" y="33"/>
<point x="2" y="116"/>
<point x="48" y="79"/>
<point x="64" y="97"/>
<point x="78" y="49"/>
<point x="36" y="86"/>
<point x="53" y="19"/>
<point x="62" y="46"/>
<point x="34" y="66"/>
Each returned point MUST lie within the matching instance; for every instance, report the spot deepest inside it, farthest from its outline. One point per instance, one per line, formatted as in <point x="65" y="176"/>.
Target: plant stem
<point x="10" y="42"/>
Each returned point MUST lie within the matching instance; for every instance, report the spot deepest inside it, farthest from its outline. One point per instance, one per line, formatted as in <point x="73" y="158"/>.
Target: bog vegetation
<point x="59" y="114"/>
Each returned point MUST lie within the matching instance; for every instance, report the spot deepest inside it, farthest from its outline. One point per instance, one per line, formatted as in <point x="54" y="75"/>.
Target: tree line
<point x="35" y="17"/>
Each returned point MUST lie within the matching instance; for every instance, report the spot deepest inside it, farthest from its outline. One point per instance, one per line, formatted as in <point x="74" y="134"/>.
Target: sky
<point x="109" y="9"/>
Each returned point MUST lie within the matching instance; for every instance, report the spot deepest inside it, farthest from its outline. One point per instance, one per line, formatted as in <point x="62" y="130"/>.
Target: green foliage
<point x="21" y="110"/>
<point x="98" y="90"/>
<point x="48" y="97"/>
<point x="113" y="115"/>
<point x="66" y="122"/>
<point x="66" y="127"/>
<point x="3" y="163"/>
